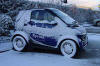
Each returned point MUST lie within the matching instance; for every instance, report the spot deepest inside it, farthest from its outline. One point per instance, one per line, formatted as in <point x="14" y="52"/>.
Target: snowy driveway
<point x="90" y="57"/>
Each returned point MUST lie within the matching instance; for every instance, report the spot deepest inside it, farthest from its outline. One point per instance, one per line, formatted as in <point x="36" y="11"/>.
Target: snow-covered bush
<point x="5" y="24"/>
<point x="1" y="30"/>
<point x="79" y="14"/>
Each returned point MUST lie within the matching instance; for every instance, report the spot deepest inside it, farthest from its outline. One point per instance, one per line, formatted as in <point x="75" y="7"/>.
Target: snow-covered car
<point x="49" y="27"/>
<point x="96" y="22"/>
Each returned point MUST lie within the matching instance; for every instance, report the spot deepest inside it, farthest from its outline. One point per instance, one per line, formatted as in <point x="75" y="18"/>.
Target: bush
<point x="6" y="24"/>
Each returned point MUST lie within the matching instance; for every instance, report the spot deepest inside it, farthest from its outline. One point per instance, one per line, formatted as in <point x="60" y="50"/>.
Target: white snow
<point x="89" y="58"/>
<point x="94" y="41"/>
<point x="92" y="29"/>
<point x="5" y="46"/>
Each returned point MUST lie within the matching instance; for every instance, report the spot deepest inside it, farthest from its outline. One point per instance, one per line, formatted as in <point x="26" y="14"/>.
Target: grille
<point x="82" y="37"/>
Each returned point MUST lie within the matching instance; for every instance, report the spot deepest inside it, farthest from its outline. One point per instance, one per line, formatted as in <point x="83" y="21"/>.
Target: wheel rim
<point x="68" y="48"/>
<point x="19" y="43"/>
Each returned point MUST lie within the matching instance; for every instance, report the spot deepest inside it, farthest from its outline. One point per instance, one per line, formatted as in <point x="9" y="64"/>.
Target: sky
<point x="86" y="3"/>
<point x="93" y="4"/>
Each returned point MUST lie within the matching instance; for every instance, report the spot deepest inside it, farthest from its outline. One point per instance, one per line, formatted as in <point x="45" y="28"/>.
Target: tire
<point x="19" y="43"/>
<point x="69" y="48"/>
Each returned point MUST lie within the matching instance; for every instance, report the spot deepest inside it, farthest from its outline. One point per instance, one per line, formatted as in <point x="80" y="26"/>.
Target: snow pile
<point x="91" y="29"/>
<point x="94" y="40"/>
<point x="5" y="44"/>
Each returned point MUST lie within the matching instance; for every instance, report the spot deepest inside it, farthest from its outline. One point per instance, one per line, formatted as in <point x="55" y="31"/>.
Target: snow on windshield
<point x="66" y="18"/>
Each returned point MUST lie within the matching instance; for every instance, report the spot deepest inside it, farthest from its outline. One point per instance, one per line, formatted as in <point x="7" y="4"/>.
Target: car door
<point x="47" y="33"/>
<point x="49" y="24"/>
<point x="37" y="26"/>
<point x="42" y="28"/>
<point x="29" y="25"/>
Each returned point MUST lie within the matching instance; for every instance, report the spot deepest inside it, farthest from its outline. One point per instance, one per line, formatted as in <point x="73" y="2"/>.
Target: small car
<point x="96" y="22"/>
<point x="51" y="28"/>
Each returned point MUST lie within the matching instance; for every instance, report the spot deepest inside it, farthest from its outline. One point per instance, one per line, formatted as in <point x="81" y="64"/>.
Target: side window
<point x="38" y="15"/>
<point x="41" y="15"/>
<point x="34" y="15"/>
<point x="48" y="16"/>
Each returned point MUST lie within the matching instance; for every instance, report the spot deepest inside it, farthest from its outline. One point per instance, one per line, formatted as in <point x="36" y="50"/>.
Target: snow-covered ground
<point x="90" y="57"/>
<point x="5" y="46"/>
<point x="91" y="29"/>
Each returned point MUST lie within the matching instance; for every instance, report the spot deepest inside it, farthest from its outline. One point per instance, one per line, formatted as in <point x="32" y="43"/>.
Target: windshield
<point x="66" y="18"/>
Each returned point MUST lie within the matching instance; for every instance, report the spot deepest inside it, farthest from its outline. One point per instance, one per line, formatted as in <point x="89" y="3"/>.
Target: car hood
<point x="80" y="30"/>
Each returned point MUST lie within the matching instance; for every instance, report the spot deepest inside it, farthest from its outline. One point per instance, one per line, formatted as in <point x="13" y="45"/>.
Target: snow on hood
<point x="80" y="30"/>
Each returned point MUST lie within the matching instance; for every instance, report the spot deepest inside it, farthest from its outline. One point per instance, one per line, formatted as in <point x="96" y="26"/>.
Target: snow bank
<point x="5" y="46"/>
<point x="92" y="29"/>
<point x="93" y="41"/>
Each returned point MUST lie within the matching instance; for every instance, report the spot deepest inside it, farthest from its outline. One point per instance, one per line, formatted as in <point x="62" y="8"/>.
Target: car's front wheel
<point x="19" y="43"/>
<point x="69" y="48"/>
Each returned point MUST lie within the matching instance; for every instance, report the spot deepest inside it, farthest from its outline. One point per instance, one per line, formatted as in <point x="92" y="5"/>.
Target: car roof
<point x="44" y="9"/>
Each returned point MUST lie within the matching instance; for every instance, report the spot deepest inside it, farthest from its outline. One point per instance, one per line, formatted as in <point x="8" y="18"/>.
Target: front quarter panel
<point x="21" y="33"/>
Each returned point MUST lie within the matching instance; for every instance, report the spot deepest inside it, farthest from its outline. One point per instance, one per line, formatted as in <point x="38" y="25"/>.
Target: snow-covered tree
<point x="5" y="24"/>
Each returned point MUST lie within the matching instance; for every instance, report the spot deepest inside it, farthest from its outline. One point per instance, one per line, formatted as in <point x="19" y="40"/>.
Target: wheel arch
<point x="73" y="38"/>
<point x="22" y="34"/>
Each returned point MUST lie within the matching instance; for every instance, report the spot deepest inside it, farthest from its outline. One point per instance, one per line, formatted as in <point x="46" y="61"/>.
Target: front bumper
<point x="83" y="40"/>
